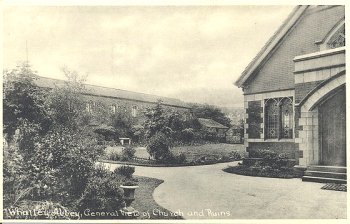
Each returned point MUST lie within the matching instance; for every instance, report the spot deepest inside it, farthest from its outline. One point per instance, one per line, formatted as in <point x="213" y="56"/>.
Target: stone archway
<point x="309" y="137"/>
<point x="332" y="126"/>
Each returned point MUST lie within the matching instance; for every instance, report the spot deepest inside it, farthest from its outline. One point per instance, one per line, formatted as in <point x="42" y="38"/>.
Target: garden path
<point x="206" y="192"/>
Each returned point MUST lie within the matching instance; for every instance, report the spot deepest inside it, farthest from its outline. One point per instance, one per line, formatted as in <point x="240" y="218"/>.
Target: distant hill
<point x="234" y="113"/>
<point x="218" y="97"/>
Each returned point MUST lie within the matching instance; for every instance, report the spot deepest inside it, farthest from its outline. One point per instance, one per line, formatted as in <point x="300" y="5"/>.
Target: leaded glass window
<point x="134" y="111"/>
<point x="338" y="39"/>
<point x="287" y="118"/>
<point x="113" y="109"/>
<point x="272" y="116"/>
<point x="89" y="107"/>
<point x="279" y="118"/>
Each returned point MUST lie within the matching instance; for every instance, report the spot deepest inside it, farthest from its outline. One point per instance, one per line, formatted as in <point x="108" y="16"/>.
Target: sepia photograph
<point x="173" y="112"/>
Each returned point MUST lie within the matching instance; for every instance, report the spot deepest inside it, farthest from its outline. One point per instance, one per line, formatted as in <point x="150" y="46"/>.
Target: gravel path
<point x="206" y="192"/>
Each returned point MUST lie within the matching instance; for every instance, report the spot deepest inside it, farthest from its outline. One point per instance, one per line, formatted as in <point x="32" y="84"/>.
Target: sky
<point x="193" y="53"/>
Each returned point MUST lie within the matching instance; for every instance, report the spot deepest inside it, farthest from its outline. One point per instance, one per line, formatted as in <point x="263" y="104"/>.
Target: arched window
<point x="279" y="118"/>
<point x="335" y="37"/>
<point x="134" y="111"/>
<point x="338" y="38"/>
<point x="287" y="118"/>
<point x="89" y="106"/>
<point x="272" y="117"/>
<point x="113" y="109"/>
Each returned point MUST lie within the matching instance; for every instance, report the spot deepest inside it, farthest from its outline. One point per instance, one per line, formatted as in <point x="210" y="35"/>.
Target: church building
<point x="294" y="90"/>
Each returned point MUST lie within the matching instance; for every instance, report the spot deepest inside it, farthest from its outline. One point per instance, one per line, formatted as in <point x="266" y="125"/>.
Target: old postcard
<point x="174" y="112"/>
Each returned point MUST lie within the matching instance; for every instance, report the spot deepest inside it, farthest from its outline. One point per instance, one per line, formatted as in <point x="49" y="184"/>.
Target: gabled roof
<point x="210" y="123"/>
<point x="271" y="45"/>
<point x="114" y="93"/>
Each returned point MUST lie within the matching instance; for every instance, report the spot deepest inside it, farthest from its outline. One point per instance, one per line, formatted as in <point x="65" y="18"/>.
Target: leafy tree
<point x="158" y="146"/>
<point x="23" y="101"/>
<point x="138" y="133"/>
<point x="122" y="123"/>
<point x="26" y="120"/>
<point x="66" y="102"/>
<point x="156" y="121"/>
<point x="158" y="132"/>
<point x="211" y="112"/>
<point x="13" y="174"/>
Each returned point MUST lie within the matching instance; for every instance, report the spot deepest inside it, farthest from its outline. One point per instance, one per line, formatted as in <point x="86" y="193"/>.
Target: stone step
<point x="333" y="169"/>
<point x="323" y="180"/>
<point x="325" y="174"/>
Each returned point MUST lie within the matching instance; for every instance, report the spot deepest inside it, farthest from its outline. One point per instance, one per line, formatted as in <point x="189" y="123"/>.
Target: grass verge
<point x="146" y="205"/>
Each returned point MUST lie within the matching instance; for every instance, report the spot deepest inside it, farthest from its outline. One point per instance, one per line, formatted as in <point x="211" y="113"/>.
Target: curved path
<point x="207" y="192"/>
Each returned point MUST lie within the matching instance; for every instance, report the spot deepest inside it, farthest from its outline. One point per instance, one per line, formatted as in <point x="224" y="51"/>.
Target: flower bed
<point x="270" y="164"/>
<point x="261" y="172"/>
<point x="204" y="160"/>
<point x="181" y="156"/>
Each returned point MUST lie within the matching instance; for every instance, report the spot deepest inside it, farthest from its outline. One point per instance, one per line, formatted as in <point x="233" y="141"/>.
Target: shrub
<point x="100" y="171"/>
<point x="187" y="135"/>
<point x="102" y="194"/>
<point x="170" y="158"/>
<point x="273" y="160"/>
<point x="126" y="171"/>
<point x="271" y="164"/>
<point x="113" y="156"/>
<point x="234" y="155"/>
<point x="13" y="174"/>
<point x="158" y="146"/>
<point x="265" y="171"/>
<point x="128" y="153"/>
<point x="138" y="133"/>
<point x="180" y="158"/>
<point x="68" y="156"/>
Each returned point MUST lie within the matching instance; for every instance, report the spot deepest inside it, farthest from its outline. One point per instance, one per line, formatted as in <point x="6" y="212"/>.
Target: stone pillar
<point x="308" y="138"/>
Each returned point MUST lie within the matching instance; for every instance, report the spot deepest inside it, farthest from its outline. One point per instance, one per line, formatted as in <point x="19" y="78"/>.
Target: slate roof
<point x="114" y="93"/>
<point x="211" y="124"/>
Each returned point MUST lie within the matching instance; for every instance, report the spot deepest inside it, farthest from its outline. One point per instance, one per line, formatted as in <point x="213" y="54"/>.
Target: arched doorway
<point x="332" y="130"/>
<point x="322" y="124"/>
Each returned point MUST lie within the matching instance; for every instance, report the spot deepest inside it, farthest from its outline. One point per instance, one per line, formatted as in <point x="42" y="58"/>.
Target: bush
<point x="180" y="158"/>
<point x="126" y="171"/>
<point x="273" y="160"/>
<point x="13" y="174"/>
<point x="128" y="153"/>
<point x="100" y="171"/>
<point x="113" y="156"/>
<point x="138" y="133"/>
<point x="158" y="146"/>
<point x="67" y="156"/>
<point x="170" y="158"/>
<point x="265" y="171"/>
<point x="270" y="165"/>
<point x="102" y="194"/>
<point x="234" y="155"/>
<point x="187" y="135"/>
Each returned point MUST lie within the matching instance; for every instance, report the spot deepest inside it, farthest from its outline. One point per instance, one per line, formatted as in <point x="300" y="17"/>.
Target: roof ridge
<point x="114" y="92"/>
<point x="93" y="85"/>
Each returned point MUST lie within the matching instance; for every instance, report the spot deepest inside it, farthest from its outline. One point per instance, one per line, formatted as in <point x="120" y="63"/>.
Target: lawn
<point x="192" y="152"/>
<point x="144" y="202"/>
<point x="208" y="150"/>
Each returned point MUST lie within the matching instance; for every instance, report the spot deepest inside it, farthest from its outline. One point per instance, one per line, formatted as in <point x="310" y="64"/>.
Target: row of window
<point x="112" y="108"/>
<point x="279" y="118"/>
